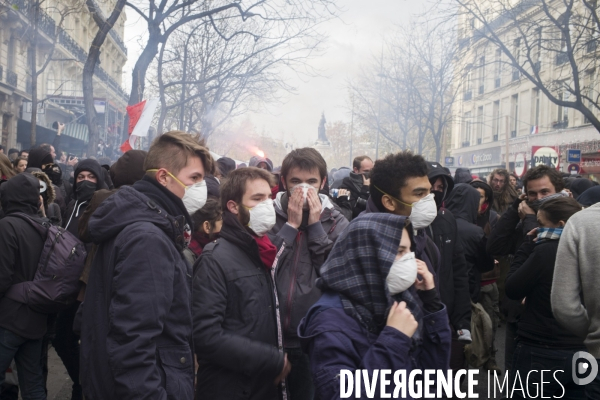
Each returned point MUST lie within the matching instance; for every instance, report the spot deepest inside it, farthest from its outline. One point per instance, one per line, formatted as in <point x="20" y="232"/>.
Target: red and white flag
<point x="140" y="118"/>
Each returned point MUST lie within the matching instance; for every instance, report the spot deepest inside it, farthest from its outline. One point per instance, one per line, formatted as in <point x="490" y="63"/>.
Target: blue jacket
<point x="336" y="341"/>
<point x="136" y="333"/>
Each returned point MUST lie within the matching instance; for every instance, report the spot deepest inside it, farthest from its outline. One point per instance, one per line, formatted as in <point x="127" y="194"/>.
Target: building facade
<point x="68" y="27"/>
<point x="502" y="116"/>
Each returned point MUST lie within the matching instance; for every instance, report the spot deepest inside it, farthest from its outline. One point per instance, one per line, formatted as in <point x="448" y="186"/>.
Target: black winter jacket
<point x="531" y="276"/>
<point x="359" y="194"/>
<point x="20" y="249"/>
<point x="235" y="322"/>
<point x="463" y="202"/>
<point x="136" y="332"/>
<point x="510" y="232"/>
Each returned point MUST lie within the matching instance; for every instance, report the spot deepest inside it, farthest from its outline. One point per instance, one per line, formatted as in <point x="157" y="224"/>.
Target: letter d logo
<point x="581" y="365"/>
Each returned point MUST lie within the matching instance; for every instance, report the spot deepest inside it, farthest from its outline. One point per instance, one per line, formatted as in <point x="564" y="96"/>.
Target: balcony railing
<point x="561" y="124"/>
<point x="561" y="58"/>
<point x="45" y="22"/>
<point x="11" y="78"/>
<point x="468" y="95"/>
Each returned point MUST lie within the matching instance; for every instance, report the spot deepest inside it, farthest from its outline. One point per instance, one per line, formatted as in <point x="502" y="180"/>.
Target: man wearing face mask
<point x="309" y="224"/>
<point x="237" y="327"/>
<point x="358" y="185"/>
<point x="42" y="159"/>
<point x="136" y="330"/>
<point x="399" y="185"/>
<point x="454" y="279"/>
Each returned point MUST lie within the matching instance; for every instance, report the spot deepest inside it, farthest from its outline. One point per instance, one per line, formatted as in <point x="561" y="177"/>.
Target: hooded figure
<point x="578" y="186"/>
<point x="256" y="160"/>
<point x="453" y="274"/>
<point x="462" y="175"/>
<point x="129" y="168"/>
<point x="82" y="194"/>
<point x="486" y="217"/>
<point x="42" y="159"/>
<point x="346" y="328"/>
<point x="590" y="197"/>
<point x="463" y="202"/>
<point x="38" y="157"/>
<point x="225" y="165"/>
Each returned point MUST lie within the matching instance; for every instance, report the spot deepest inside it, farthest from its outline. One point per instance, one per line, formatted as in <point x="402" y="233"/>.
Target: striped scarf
<point x="545" y="234"/>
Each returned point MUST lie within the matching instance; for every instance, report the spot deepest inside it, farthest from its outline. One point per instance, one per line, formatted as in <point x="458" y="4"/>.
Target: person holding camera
<point x="357" y="186"/>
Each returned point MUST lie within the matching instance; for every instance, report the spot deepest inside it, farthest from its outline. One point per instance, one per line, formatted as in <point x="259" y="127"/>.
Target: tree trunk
<point x="104" y="28"/>
<point x="33" y="69"/>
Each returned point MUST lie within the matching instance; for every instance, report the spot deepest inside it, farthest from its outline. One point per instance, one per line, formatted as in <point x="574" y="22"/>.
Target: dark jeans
<point x="510" y="343"/>
<point x="528" y="357"/>
<point x="27" y="354"/>
<point x="66" y="344"/>
<point x="592" y="390"/>
<point x="299" y="381"/>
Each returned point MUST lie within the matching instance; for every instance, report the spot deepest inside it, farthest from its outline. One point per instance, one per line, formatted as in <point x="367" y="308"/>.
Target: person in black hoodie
<point x="237" y="329"/>
<point x="89" y="177"/>
<point x="463" y="202"/>
<point x="358" y="185"/>
<point x="543" y="343"/>
<point x="21" y="328"/>
<point x="454" y="278"/>
<point x="136" y="330"/>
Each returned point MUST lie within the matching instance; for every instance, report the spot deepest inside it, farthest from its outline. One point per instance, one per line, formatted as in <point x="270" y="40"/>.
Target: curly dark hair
<point x="541" y="171"/>
<point x="390" y="174"/>
<point x="210" y="212"/>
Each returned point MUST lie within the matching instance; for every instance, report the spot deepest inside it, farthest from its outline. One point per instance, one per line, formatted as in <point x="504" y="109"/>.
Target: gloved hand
<point x="464" y="335"/>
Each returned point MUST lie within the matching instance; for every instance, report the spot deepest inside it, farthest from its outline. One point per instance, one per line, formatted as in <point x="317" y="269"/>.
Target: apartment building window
<point x="537" y="56"/>
<point x="481" y="75"/>
<point x="562" y="120"/>
<point x="517" y="52"/>
<point x="467" y="130"/>
<point x="535" y="108"/>
<point x="514" y="102"/>
<point x="590" y="91"/>
<point x="498" y="69"/>
<point x="10" y="53"/>
<point x="496" y="120"/>
<point x="469" y="84"/>
<point x="479" y="125"/>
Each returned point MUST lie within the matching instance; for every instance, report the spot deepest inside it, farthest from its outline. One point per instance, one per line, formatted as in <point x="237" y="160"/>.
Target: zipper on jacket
<point x="288" y="314"/>
<point x="278" y="315"/>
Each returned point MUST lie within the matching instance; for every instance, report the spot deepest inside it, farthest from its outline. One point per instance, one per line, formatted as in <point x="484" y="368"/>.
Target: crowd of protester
<point x="210" y="280"/>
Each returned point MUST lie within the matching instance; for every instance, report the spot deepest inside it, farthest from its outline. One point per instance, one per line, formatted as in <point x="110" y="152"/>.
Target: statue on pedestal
<point x="322" y="140"/>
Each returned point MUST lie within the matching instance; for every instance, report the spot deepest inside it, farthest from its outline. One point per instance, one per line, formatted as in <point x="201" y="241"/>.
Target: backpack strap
<point x="40" y="226"/>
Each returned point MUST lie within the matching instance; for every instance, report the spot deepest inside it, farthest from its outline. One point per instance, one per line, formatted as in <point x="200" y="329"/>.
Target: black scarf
<point x="163" y="197"/>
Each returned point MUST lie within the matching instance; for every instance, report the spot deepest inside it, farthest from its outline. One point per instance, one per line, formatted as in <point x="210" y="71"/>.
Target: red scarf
<point x="267" y="250"/>
<point x="198" y="242"/>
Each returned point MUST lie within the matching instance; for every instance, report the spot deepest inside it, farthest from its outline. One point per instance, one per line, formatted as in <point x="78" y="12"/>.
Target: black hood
<point x="91" y="166"/>
<point x="226" y="165"/>
<point x="21" y="194"/>
<point x="435" y="171"/>
<point x="462" y="175"/>
<point x="489" y="192"/>
<point x="586" y="199"/>
<point x="463" y="202"/>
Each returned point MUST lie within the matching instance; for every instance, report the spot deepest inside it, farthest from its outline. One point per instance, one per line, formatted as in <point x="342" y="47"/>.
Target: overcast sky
<point x="354" y="38"/>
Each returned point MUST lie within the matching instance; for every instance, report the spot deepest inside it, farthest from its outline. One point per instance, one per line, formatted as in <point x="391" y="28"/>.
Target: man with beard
<point x="504" y="192"/>
<point x="453" y="275"/>
<point x="237" y="329"/>
<point x="540" y="184"/>
<point x="309" y="223"/>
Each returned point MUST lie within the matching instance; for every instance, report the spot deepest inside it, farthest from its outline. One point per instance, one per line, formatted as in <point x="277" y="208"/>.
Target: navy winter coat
<point x="136" y="334"/>
<point x="337" y="341"/>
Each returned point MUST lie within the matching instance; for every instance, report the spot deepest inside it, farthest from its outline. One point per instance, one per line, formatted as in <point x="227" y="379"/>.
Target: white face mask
<point x="262" y="217"/>
<point x="195" y="197"/>
<point x="423" y="212"/>
<point x="403" y="274"/>
<point x="305" y="187"/>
